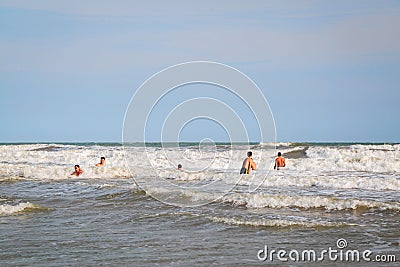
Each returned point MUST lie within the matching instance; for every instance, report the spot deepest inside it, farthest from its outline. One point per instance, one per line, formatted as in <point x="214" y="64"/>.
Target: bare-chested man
<point x="279" y="161"/>
<point x="248" y="164"/>
<point x="77" y="171"/>
<point x="102" y="162"/>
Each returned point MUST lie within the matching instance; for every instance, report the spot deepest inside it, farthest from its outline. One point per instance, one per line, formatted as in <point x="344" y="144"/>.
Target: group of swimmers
<point x="78" y="171"/>
<point x="249" y="164"/>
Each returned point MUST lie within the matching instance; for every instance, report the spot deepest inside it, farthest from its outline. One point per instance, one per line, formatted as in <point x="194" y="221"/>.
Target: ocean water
<point x="331" y="197"/>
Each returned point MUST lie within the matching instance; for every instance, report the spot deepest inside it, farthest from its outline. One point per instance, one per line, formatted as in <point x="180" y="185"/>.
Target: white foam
<point x="7" y="209"/>
<point x="262" y="200"/>
<point x="372" y="167"/>
<point x="276" y="201"/>
<point x="271" y="222"/>
<point x="339" y="181"/>
<point x="25" y="161"/>
<point x="366" y="158"/>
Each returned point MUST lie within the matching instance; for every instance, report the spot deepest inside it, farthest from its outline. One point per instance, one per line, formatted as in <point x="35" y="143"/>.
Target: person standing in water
<point x="248" y="164"/>
<point x="279" y="161"/>
<point x="102" y="162"/>
<point x="77" y="171"/>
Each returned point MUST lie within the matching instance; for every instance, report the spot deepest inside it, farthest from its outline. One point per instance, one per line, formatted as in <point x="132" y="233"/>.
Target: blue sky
<point x="330" y="70"/>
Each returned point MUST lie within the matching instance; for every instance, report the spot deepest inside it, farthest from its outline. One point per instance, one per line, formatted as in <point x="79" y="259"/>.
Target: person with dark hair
<point x="102" y="162"/>
<point x="248" y="164"/>
<point x="180" y="167"/>
<point x="78" y="171"/>
<point x="279" y="161"/>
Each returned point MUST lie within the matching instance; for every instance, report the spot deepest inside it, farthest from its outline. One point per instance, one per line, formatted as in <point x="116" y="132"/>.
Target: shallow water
<point x="103" y="218"/>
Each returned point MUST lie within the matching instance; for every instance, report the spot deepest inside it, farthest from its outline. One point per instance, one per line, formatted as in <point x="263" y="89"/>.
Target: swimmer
<point x="77" y="171"/>
<point x="180" y="167"/>
<point x="248" y="164"/>
<point x="102" y="162"/>
<point x="279" y="161"/>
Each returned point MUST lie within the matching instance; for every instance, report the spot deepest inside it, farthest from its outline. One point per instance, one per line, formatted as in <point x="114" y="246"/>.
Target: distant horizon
<point x="197" y="142"/>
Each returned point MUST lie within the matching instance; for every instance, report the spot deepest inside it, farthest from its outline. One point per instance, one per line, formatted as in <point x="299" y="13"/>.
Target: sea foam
<point x="7" y="209"/>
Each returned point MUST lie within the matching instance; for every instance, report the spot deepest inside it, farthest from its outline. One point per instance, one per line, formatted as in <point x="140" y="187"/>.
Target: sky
<point x="329" y="70"/>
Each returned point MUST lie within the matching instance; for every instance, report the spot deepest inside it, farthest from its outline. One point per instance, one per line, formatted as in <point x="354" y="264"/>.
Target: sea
<point x="334" y="204"/>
